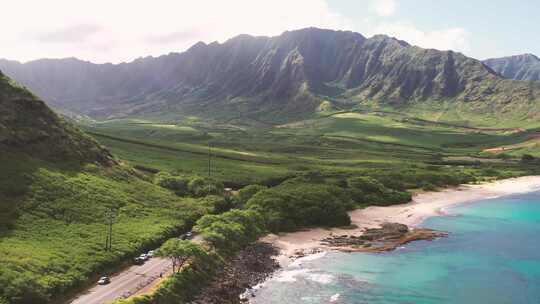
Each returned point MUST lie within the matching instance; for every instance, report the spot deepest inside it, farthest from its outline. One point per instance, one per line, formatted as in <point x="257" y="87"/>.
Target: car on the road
<point x="104" y="280"/>
<point x="186" y="236"/>
<point x="138" y="261"/>
<point x="150" y="254"/>
<point x="144" y="257"/>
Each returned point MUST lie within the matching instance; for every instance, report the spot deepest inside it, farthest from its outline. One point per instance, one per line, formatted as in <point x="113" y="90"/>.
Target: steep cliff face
<point x="520" y="67"/>
<point x="28" y="126"/>
<point x="286" y="75"/>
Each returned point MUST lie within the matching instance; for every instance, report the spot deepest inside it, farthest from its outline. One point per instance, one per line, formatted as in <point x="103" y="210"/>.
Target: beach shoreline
<point x="423" y="205"/>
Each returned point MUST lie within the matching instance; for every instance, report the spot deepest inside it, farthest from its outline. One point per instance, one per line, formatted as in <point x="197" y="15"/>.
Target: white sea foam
<point x="321" y="278"/>
<point x="258" y="286"/>
<point x="307" y="258"/>
<point x="290" y="275"/>
<point x="334" y="298"/>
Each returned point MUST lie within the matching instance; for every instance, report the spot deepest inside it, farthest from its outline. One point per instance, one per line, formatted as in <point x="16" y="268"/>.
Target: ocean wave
<point x="307" y="258"/>
<point x="321" y="278"/>
<point x="334" y="298"/>
<point x="290" y="275"/>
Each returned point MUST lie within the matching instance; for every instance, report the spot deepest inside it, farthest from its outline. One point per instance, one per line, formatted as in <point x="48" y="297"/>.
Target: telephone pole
<point x="110" y="218"/>
<point x="209" y="157"/>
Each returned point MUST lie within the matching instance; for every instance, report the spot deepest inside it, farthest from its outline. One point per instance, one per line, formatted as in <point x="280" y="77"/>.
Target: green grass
<point x="54" y="240"/>
<point x="347" y="143"/>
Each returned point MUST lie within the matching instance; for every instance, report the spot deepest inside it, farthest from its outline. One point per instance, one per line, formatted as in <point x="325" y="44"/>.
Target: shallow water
<point x="492" y="256"/>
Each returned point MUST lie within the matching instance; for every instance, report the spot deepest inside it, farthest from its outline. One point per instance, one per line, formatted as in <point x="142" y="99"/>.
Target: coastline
<point x="423" y="205"/>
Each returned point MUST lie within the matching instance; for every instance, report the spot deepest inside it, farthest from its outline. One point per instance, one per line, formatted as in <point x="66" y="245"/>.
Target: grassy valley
<point x="342" y="143"/>
<point x="54" y="212"/>
<point x="321" y="123"/>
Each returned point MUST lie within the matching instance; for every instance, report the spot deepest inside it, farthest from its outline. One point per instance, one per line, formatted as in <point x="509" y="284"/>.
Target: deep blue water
<point x="492" y="256"/>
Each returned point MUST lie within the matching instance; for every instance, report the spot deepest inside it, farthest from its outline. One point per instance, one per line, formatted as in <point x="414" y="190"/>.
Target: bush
<point x="429" y="187"/>
<point x="177" y="184"/>
<point x="180" y="252"/>
<point x="365" y="184"/>
<point x="184" y="185"/>
<point x="216" y="204"/>
<point x="527" y="158"/>
<point x="369" y="191"/>
<point x="489" y="172"/>
<point x="247" y="193"/>
<point x="291" y="206"/>
<point x="232" y="230"/>
<point x="199" y="187"/>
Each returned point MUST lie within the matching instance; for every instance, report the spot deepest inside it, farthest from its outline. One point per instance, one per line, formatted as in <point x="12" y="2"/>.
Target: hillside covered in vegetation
<point x="57" y="186"/>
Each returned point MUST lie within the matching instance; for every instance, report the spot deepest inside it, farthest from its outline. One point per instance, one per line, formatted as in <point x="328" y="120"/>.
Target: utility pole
<point x="209" y="157"/>
<point x="110" y="217"/>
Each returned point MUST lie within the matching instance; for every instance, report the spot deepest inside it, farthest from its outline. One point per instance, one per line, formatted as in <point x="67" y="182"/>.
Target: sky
<point x="123" y="30"/>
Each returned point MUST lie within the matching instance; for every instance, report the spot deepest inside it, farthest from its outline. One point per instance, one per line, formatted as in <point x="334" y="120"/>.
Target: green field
<point x="344" y="143"/>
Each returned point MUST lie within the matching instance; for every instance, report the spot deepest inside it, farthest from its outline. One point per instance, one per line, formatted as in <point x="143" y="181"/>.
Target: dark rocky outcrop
<point x="250" y="267"/>
<point x="386" y="238"/>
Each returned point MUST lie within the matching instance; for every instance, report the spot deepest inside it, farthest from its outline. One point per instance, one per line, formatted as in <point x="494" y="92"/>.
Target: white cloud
<point x="121" y="30"/>
<point x="385" y="8"/>
<point x="456" y="38"/>
<point x="79" y="32"/>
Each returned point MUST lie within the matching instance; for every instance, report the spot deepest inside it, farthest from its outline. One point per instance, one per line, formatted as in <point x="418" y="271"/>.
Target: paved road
<point x="125" y="283"/>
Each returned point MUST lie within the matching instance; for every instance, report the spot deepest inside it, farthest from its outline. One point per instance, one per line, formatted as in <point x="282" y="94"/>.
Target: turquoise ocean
<point x="492" y="256"/>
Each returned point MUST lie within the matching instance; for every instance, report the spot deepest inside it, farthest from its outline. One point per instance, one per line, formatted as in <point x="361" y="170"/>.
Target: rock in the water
<point x="388" y="237"/>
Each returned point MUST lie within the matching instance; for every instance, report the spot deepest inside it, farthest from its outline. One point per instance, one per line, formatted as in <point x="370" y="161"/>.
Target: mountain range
<point x="520" y="67"/>
<point x="276" y="79"/>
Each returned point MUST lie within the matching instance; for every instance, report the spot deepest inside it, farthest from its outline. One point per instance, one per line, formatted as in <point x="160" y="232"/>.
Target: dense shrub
<point x="232" y="230"/>
<point x="366" y="190"/>
<point x="489" y="172"/>
<point x="247" y="193"/>
<point x="178" y="184"/>
<point x="199" y="187"/>
<point x="291" y="206"/>
<point x="215" y="203"/>
<point x="365" y="184"/>
<point x="180" y="252"/>
<point x="527" y="158"/>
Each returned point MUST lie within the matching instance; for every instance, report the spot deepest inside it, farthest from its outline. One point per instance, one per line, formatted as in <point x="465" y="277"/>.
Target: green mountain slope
<point x="56" y="186"/>
<point x="278" y="79"/>
<point x="28" y="125"/>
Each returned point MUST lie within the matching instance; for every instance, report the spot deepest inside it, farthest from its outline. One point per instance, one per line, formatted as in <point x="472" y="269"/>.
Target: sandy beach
<point x="412" y="214"/>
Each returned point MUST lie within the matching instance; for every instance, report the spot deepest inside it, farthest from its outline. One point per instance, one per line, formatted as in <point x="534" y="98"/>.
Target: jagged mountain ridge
<point x="519" y="67"/>
<point x="287" y="75"/>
